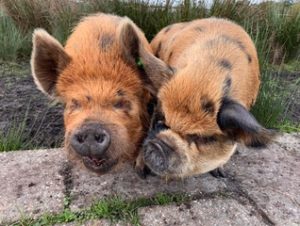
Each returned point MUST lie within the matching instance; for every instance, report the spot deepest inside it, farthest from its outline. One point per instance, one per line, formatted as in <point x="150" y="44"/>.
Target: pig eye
<point x="75" y="105"/>
<point x="120" y="92"/>
<point x="122" y="104"/>
<point x="201" y="140"/>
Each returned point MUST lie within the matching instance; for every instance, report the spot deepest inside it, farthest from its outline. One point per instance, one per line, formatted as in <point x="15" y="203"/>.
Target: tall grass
<point x="15" y="138"/>
<point x="285" y="25"/>
<point x="28" y="14"/>
<point x="11" y="39"/>
<point x="63" y="19"/>
<point x="270" y="106"/>
<point x="59" y="17"/>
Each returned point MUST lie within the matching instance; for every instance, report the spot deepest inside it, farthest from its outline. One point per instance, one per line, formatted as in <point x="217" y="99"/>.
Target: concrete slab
<point x="204" y="212"/>
<point x="30" y="184"/>
<point x="35" y="182"/>
<point x="271" y="177"/>
<point x="88" y="187"/>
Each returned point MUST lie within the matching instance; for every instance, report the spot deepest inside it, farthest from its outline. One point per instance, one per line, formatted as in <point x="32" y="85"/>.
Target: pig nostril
<point x="99" y="138"/>
<point x="81" y="138"/>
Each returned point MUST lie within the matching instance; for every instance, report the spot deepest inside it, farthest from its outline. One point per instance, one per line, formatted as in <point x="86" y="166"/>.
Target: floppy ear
<point x="136" y="52"/>
<point x="235" y="120"/>
<point x="48" y="59"/>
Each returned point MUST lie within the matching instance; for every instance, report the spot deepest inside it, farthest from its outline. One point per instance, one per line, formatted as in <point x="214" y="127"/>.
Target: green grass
<point x="270" y="103"/>
<point x="14" y="138"/>
<point x="60" y="16"/>
<point x="112" y="208"/>
<point x="291" y="66"/>
<point x="289" y="127"/>
<point x="11" y="39"/>
<point x="285" y="27"/>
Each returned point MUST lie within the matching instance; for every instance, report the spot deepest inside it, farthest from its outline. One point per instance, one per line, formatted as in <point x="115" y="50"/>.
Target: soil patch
<point x="22" y="105"/>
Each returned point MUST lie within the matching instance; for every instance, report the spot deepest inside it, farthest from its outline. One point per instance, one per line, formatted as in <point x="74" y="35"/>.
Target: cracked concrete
<point x="203" y="212"/>
<point x="30" y="183"/>
<point x="262" y="188"/>
<point x="271" y="178"/>
<point x="89" y="187"/>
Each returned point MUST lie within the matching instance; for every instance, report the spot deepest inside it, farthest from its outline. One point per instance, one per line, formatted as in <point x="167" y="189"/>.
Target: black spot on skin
<point x="225" y="64"/>
<point x="249" y="58"/>
<point x="227" y="86"/>
<point x="228" y="39"/>
<point x="158" y="50"/>
<point x="170" y="56"/>
<point x="174" y="38"/>
<point x="106" y="41"/>
<point x="207" y="105"/>
<point x="239" y="43"/>
<point x="168" y="29"/>
<point x="89" y="98"/>
<point x="241" y="46"/>
<point x="199" y="29"/>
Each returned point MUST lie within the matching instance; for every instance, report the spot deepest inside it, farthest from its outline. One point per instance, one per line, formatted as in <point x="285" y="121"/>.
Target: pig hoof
<point x="143" y="172"/>
<point x="218" y="173"/>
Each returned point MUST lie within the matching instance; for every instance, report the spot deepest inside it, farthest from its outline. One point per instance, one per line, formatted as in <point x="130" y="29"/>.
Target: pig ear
<point x="136" y="51"/>
<point x="48" y="59"/>
<point x="240" y="125"/>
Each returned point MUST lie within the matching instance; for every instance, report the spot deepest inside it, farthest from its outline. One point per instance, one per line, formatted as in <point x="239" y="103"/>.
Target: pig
<point x="98" y="78"/>
<point x="203" y="104"/>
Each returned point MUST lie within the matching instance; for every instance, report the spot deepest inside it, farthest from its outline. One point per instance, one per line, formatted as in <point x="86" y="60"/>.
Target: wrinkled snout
<point x="91" y="139"/>
<point x="157" y="155"/>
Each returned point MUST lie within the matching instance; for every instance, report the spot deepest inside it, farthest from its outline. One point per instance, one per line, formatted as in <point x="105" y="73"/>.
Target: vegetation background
<point x="273" y="26"/>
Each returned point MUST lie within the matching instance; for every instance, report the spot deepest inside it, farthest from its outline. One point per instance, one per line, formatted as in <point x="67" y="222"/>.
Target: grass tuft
<point x="14" y="138"/>
<point x="11" y="39"/>
<point x="112" y="208"/>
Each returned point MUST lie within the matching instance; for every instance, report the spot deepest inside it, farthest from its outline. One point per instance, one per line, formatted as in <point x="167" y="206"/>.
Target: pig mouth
<point x="98" y="165"/>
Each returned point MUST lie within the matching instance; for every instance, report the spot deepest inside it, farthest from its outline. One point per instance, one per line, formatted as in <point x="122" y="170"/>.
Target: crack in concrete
<point x="66" y="173"/>
<point x="241" y="197"/>
<point x="238" y="192"/>
<point x="234" y="191"/>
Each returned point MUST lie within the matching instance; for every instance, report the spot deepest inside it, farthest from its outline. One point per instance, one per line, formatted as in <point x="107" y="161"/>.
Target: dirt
<point x="21" y="102"/>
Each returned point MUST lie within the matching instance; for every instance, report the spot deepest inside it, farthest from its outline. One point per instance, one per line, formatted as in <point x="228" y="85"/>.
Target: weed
<point x="112" y="208"/>
<point x="28" y="14"/>
<point x="285" y="25"/>
<point x="270" y="102"/>
<point x="14" y="138"/>
<point x="63" y="20"/>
